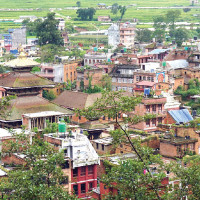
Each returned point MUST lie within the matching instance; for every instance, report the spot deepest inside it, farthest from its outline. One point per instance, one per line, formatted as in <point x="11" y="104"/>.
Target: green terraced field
<point x="87" y="3"/>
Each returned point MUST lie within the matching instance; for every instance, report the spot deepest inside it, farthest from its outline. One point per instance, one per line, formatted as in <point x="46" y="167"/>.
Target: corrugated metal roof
<point x="158" y="51"/>
<point x="181" y="116"/>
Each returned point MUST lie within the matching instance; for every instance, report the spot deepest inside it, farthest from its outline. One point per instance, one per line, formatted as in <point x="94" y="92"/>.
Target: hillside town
<point x="115" y="121"/>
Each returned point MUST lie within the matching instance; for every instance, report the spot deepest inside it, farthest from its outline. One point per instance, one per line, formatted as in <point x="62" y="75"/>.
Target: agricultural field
<point x="88" y="3"/>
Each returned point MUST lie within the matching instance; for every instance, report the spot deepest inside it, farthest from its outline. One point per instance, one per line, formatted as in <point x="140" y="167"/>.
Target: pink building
<point x="153" y="106"/>
<point x="127" y="34"/>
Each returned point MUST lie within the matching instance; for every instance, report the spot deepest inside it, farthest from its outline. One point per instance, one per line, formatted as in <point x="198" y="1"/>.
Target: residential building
<point x="141" y="86"/>
<point x="113" y="35"/>
<point x="53" y="72"/>
<point x="123" y="77"/>
<point x="1" y="47"/>
<point x="154" y="106"/>
<point x="18" y="37"/>
<point x="185" y="140"/>
<point x="76" y="100"/>
<point x="65" y="37"/>
<point x="92" y="58"/>
<point x="70" y="71"/>
<point x="127" y="34"/>
<point x="178" y="116"/>
<point x="81" y="162"/>
<point x="61" y="25"/>
<point x="158" y="54"/>
<point x="104" y="19"/>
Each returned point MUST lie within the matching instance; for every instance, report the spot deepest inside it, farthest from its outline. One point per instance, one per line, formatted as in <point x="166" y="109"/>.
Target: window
<point x="144" y="78"/>
<point x="148" y="108"/>
<point x="159" y="87"/>
<point x="119" y="115"/>
<point x="104" y="117"/>
<point x="113" y="79"/>
<point x="64" y="180"/>
<point x="121" y="145"/>
<point x="102" y="146"/>
<point x="153" y="122"/>
<point x="148" y="123"/>
<point x="75" y="188"/>
<point x="148" y="78"/>
<point x="160" y="120"/>
<point x="83" y="171"/>
<point x="97" y="146"/>
<point x="90" y="169"/>
<point x="90" y="186"/>
<point x="83" y="188"/>
<point x="154" y="108"/>
<point x="65" y="165"/>
<point x="160" y="107"/>
<point x="79" y="117"/>
<point x="75" y="172"/>
<point x="119" y="80"/>
<point x="192" y="147"/>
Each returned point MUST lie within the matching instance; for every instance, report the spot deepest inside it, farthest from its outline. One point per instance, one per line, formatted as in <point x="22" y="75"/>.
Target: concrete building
<point x="122" y="77"/>
<point x="70" y="72"/>
<point x="53" y="72"/>
<point x="113" y="35"/>
<point x="81" y="161"/>
<point x="93" y="58"/>
<point x="18" y="37"/>
<point x="127" y="34"/>
<point x="153" y="106"/>
<point x="104" y="19"/>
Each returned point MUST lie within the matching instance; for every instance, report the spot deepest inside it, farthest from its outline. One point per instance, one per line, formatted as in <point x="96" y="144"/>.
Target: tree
<point x="143" y="35"/>
<point x="106" y="82"/>
<point x="122" y="10"/>
<point x="47" y="31"/>
<point x="48" y="95"/>
<point x="115" y="8"/>
<point x="160" y="26"/>
<point x="4" y="105"/>
<point x="86" y="13"/>
<point x="171" y="18"/>
<point x="78" y="3"/>
<point x="40" y="177"/>
<point x="49" y="51"/>
<point x="180" y="36"/>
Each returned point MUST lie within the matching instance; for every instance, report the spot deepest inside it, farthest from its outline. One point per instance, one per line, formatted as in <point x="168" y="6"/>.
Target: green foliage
<point x="143" y="35"/>
<point x="4" y="105"/>
<point x="47" y="31"/>
<point x="81" y="85"/>
<point x="115" y="8"/>
<point x="48" y="95"/>
<point x="106" y="82"/>
<point x="4" y="69"/>
<point x="36" y="69"/>
<point x="78" y="3"/>
<point x="85" y="13"/>
<point x="193" y="89"/>
<point x="122" y="10"/>
<point x="41" y="174"/>
<point x="160" y="27"/>
<point x="180" y="35"/>
<point x="49" y="51"/>
<point x="50" y="127"/>
<point x="70" y="85"/>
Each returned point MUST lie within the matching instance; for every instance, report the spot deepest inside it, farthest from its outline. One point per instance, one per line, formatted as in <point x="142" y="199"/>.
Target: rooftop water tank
<point x="62" y="127"/>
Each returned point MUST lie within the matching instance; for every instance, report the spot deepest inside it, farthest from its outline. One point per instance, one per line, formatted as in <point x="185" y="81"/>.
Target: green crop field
<point x="87" y="3"/>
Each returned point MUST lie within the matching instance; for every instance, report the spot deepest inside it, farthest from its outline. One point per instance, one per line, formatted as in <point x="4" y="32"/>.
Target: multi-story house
<point x="113" y="35"/>
<point x="123" y="77"/>
<point x="154" y="106"/>
<point x="70" y="73"/>
<point x="53" y="72"/>
<point x="127" y="34"/>
<point x="81" y="163"/>
<point x="92" y="58"/>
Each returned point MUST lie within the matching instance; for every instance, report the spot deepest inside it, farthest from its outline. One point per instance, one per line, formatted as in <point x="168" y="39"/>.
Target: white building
<point x="113" y="35"/>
